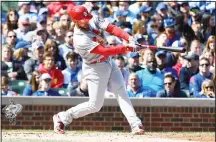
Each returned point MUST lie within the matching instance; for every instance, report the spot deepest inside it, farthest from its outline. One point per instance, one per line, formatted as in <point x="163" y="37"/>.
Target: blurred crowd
<point x="37" y="47"/>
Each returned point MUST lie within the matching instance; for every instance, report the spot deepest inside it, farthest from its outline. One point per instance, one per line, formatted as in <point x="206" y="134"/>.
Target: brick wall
<point x="155" y="118"/>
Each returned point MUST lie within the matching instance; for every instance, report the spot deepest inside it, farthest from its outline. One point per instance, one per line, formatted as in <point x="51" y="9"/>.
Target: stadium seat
<point x="18" y="86"/>
<point x="61" y="91"/>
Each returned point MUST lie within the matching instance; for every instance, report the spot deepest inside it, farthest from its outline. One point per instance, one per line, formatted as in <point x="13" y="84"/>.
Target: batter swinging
<point x="98" y="69"/>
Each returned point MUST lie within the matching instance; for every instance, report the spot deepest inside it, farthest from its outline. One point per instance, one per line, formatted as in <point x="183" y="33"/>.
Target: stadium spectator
<point x="43" y="11"/>
<point x="162" y="10"/>
<point x="171" y="87"/>
<point x="191" y="68"/>
<point x="59" y="32"/>
<point x="48" y="66"/>
<point x="21" y="53"/>
<point x="161" y="59"/>
<point x="50" y="28"/>
<point x="23" y="27"/>
<point x="173" y="8"/>
<point x="120" y="62"/>
<point x="36" y="59"/>
<point x="154" y="27"/>
<point x="81" y="90"/>
<point x="207" y="26"/>
<point x="180" y="63"/>
<point x="124" y="6"/>
<point x="12" y="19"/>
<point x="107" y="12"/>
<point x="197" y="79"/>
<point x="196" y="28"/>
<point x="195" y="47"/>
<point x="210" y="44"/>
<point x="208" y="89"/>
<point x="65" y="20"/>
<point x="144" y="55"/>
<point x="145" y="13"/>
<point x="134" y="88"/>
<point x="11" y="68"/>
<point x="41" y="36"/>
<point x="195" y="16"/>
<point x="41" y="24"/>
<point x="59" y="7"/>
<point x="135" y="7"/>
<point x="210" y="55"/>
<point x="133" y="62"/>
<point x="150" y="77"/>
<point x="183" y="29"/>
<point x="11" y="39"/>
<point x="139" y="28"/>
<point x="162" y="40"/>
<point x="52" y="47"/>
<point x="5" y="91"/>
<point x="67" y="46"/>
<point x="169" y="25"/>
<point x="24" y="11"/>
<point x="33" y="84"/>
<point x="4" y="28"/>
<point x="185" y="8"/>
<point x="44" y="88"/>
<point x="121" y="16"/>
<point x="72" y="70"/>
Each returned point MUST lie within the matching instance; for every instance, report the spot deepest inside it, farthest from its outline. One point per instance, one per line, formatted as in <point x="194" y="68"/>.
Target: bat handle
<point x="153" y="47"/>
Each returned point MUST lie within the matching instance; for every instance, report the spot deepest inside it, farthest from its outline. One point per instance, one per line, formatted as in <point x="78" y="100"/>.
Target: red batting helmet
<point x="80" y="13"/>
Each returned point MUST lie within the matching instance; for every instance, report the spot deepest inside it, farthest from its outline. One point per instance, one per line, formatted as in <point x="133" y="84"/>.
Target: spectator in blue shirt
<point x="145" y="13"/>
<point x="169" y="25"/>
<point x="72" y="70"/>
<point x="162" y="60"/>
<point x="162" y="10"/>
<point x="150" y="77"/>
<point x="44" y="87"/>
<point x="171" y="87"/>
<point x="135" y="89"/>
<point x="33" y="84"/>
<point x="204" y="73"/>
<point x="189" y="70"/>
<point x="121" y="16"/>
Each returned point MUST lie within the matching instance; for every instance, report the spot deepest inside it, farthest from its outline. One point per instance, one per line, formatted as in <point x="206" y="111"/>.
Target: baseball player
<point x="98" y="69"/>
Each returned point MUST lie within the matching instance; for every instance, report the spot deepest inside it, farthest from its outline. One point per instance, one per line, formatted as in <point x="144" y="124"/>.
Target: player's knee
<point x="94" y="107"/>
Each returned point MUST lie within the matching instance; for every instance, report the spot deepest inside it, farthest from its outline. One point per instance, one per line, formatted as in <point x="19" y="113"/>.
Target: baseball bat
<point x="166" y="48"/>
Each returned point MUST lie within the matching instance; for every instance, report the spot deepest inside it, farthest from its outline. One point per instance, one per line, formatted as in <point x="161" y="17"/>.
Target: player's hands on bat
<point x="132" y="43"/>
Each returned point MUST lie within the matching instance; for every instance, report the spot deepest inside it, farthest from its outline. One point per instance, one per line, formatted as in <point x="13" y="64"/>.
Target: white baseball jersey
<point x="85" y="41"/>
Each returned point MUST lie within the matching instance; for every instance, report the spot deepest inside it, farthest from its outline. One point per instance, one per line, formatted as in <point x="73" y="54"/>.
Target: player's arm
<point x="117" y="31"/>
<point x="119" y="49"/>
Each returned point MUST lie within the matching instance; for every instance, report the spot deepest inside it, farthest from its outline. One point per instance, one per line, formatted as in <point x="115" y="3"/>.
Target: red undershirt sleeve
<point x="119" y="49"/>
<point x="114" y="30"/>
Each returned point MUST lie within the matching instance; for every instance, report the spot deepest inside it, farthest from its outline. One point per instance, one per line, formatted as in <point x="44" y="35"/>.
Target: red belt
<point x="100" y="60"/>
